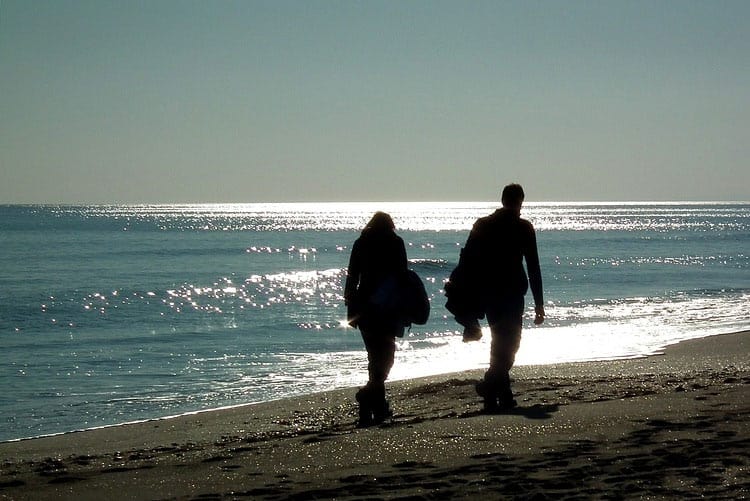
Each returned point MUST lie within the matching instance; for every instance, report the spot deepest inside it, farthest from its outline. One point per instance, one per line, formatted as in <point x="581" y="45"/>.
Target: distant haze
<point x="246" y="101"/>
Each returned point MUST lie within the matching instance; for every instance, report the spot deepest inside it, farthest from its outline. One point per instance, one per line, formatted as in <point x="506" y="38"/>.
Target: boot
<point x="496" y="393"/>
<point x="382" y="411"/>
<point x="366" y="417"/>
<point x="373" y="407"/>
<point x="380" y="408"/>
<point x="489" y="396"/>
<point x="506" y="401"/>
<point x="505" y="394"/>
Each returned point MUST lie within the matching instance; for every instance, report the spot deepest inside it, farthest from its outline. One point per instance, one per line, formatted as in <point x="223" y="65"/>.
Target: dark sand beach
<point x="671" y="426"/>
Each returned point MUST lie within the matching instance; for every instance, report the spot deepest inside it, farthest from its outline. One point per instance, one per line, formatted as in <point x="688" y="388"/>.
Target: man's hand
<point x="539" y="315"/>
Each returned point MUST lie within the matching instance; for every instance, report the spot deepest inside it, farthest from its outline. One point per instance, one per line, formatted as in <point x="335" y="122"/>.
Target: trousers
<point x="506" y="320"/>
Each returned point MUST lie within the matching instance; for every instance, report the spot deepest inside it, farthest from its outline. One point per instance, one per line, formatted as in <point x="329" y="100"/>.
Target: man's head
<point x="513" y="196"/>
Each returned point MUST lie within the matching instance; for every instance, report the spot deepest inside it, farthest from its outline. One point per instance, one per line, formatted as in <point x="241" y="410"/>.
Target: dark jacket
<point x="377" y="261"/>
<point x="494" y="254"/>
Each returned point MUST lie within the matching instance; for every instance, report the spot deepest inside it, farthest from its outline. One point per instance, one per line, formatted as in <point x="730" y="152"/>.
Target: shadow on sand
<point x="649" y="462"/>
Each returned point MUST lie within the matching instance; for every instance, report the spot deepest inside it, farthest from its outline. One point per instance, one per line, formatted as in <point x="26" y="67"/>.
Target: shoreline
<point x="627" y="420"/>
<point x="657" y="352"/>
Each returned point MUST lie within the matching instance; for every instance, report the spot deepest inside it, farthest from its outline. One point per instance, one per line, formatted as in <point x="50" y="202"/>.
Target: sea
<point x="119" y="313"/>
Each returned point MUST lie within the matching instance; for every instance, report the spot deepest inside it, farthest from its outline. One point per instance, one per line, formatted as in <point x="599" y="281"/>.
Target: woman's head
<point x="379" y="223"/>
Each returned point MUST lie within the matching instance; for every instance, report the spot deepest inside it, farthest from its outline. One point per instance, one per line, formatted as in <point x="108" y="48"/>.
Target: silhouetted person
<point x="377" y="261"/>
<point x="493" y="259"/>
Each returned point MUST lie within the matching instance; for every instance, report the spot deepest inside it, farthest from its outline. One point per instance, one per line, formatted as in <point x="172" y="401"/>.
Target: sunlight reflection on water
<point x="200" y="306"/>
<point x="425" y="216"/>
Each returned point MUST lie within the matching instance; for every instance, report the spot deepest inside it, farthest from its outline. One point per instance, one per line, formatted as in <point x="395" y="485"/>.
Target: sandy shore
<point x="672" y="426"/>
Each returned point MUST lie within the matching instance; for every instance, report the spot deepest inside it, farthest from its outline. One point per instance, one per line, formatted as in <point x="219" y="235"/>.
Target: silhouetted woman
<point x="377" y="263"/>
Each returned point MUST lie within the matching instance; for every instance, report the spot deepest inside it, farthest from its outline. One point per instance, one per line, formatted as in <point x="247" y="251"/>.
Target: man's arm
<point x="535" y="275"/>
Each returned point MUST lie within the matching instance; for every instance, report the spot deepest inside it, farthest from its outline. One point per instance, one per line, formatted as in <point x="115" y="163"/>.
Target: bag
<point x="400" y="299"/>
<point x="462" y="293"/>
<point x="415" y="303"/>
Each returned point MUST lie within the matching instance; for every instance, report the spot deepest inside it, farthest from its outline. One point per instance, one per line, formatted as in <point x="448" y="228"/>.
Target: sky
<point x="161" y="101"/>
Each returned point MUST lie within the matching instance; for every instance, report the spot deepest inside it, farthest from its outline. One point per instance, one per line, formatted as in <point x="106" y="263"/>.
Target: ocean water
<point x="110" y="314"/>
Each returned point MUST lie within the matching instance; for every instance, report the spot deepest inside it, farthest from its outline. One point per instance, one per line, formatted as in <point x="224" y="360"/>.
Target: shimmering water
<point x="116" y="313"/>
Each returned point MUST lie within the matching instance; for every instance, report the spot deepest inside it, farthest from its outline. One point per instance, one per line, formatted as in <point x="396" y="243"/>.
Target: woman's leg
<point x="381" y="349"/>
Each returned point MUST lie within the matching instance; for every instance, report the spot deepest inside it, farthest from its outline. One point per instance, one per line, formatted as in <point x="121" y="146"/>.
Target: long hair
<point x="379" y="223"/>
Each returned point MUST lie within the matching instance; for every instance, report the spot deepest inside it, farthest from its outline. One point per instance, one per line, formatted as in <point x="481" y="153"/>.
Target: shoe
<point x="506" y="399"/>
<point x="506" y="405"/>
<point x="373" y="407"/>
<point x="492" y="402"/>
<point x="383" y="413"/>
<point x="365" y="409"/>
<point x="366" y="417"/>
<point x="490" y="405"/>
<point x="488" y="398"/>
<point x="365" y="420"/>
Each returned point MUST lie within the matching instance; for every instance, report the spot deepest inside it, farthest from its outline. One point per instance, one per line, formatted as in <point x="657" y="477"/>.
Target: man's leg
<point x="505" y="344"/>
<point x="505" y="325"/>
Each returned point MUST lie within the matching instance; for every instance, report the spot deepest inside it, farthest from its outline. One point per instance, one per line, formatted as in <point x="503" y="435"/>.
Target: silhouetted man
<point x="493" y="268"/>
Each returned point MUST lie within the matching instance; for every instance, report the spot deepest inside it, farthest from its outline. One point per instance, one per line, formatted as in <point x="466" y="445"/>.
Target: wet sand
<point x="671" y="426"/>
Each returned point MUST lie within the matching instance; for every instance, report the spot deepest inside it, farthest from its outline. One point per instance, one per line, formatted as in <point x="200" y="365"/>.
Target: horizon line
<point x="384" y="202"/>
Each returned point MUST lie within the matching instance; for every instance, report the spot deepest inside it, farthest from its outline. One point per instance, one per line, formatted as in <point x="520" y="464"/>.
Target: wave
<point x="430" y="265"/>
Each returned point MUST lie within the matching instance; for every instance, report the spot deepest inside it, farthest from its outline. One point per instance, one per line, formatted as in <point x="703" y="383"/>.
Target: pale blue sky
<point x="216" y="101"/>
